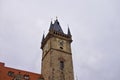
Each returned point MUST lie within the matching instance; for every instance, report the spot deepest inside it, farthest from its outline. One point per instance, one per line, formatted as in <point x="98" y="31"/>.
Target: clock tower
<point x="56" y="54"/>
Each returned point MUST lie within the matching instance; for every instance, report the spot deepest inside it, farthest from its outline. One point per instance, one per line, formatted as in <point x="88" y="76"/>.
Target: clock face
<point x="61" y="44"/>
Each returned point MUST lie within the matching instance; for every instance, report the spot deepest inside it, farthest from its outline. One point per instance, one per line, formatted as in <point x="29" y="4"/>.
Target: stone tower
<point x="56" y="54"/>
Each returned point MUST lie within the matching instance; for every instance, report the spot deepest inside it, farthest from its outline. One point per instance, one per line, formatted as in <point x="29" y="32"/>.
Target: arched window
<point x="61" y="65"/>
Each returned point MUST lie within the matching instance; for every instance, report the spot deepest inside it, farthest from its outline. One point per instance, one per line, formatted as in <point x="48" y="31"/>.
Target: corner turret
<point x="69" y="33"/>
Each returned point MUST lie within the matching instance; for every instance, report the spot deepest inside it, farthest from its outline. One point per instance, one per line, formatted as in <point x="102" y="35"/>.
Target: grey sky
<point x="94" y="24"/>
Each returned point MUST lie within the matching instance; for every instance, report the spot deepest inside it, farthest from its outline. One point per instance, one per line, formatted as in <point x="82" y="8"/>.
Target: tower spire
<point x="69" y="33"/>
<point x="56" y="26"/>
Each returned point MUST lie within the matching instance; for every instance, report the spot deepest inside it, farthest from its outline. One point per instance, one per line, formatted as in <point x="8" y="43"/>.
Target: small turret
<point x="51" y="26"/>
<point x="69" y="33"/>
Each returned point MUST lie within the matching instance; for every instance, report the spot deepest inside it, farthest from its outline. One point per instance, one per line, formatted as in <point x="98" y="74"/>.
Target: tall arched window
<point x="61" y="65"/>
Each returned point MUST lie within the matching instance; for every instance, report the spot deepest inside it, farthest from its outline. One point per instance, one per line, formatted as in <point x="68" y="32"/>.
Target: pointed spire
<point x="57" y="26"/>
<point x="69" y="33"/>
<point x="51" y="25"/>
<point x="43" y="37"/>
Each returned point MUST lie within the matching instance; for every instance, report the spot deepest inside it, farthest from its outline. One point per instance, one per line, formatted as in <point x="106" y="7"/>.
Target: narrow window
<point x="61" y="65"/>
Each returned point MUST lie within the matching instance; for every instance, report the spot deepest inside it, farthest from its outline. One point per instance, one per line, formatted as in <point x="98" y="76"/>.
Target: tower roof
<point x="55" y="30"/>
<point x="56" y="26"/>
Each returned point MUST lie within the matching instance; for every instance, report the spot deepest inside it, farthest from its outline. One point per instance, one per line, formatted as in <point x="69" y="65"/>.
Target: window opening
<point x="61" y="65"/>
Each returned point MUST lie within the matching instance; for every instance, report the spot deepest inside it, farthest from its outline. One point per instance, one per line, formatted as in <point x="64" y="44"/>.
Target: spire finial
<point x="56" y="18"/>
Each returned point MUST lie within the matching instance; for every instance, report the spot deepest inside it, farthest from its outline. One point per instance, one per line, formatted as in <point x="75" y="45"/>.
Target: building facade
<point x="7" y="73"/>
<point x="56" y="58"/>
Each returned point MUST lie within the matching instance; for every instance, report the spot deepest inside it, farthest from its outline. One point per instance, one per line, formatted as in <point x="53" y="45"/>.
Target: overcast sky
<point x="95" y="28"/>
